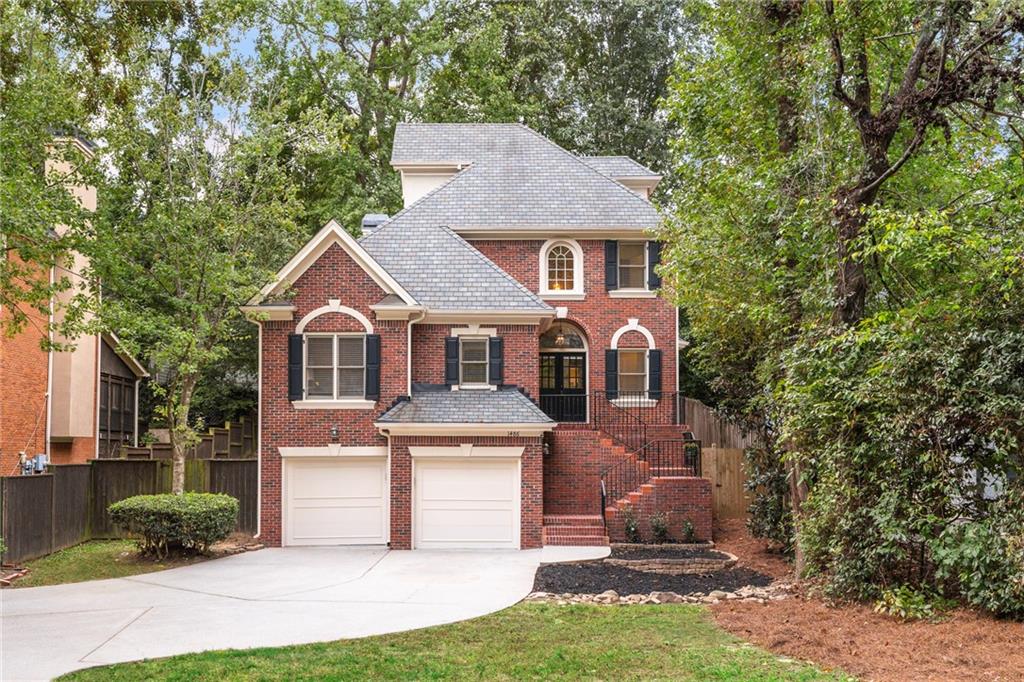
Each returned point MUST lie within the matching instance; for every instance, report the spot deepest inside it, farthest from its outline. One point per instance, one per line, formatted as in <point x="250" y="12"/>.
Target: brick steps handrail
<point x="627" y="477"/>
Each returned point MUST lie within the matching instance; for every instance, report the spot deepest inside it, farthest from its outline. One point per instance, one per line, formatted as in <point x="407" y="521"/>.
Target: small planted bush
<point x="906" y="603"/>
<point x="631" y="526"/>
<point x="689" y="535"/>
<point x="165" y="523"/>
<point x="659" y="528"/>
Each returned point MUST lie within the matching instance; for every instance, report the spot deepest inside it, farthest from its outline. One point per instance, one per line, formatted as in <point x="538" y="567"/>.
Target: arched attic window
<point x="561" y="269"/>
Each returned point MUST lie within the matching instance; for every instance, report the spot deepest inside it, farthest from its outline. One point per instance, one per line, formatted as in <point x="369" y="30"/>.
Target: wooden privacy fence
<point x="722" y="458"/>
<point x="47" y="512"/>
<point x="234" y="440"/>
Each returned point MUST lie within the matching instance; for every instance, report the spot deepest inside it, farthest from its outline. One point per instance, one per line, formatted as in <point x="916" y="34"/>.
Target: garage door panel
<point x="465" y="503"/>
<point x="335" y="501"/>
<point x="477" y="484"/>
<point x="458" y="526"/>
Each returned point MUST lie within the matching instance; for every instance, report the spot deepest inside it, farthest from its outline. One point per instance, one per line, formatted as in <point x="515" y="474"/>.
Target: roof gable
<point x="332" y="233"/>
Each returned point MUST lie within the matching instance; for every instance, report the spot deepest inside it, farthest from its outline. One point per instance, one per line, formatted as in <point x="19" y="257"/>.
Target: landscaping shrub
<point x="631" y="526"/>
<point x="688" y="532"/>
<point x="907" y="603"/>
<point x="659" y="528"/>
<point x="984" y="559"/>
<point x="189" y="522"/>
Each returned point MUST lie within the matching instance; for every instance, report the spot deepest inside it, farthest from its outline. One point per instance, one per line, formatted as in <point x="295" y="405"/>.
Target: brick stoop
<point x="678" y="497"/>
<point x="574" y="529"/>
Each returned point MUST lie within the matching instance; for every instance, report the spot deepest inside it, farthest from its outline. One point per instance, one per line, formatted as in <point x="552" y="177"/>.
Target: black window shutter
<point x="654" y="374"/>
<point x="611" y="373"/>
<point x="295" y="342"/>
<point x="653" y="259"/>
<point x="372" y="390"/>
<point x="611" y="265"/>
<point x="496" y="358"/>
<point x="451" y="360"/>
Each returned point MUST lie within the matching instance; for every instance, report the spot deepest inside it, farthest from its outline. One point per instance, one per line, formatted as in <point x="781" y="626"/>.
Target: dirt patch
<point x="596" y="577"/>
<point x="853" y="638"/>
<point x="731" y="536"/>
<point x="665" y="552"/>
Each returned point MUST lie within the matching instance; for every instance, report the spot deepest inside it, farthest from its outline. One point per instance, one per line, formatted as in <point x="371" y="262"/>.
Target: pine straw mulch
<point x="855" y="639"/>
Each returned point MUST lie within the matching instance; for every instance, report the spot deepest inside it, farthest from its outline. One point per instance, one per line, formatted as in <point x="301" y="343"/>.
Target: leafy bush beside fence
<point x="192" y="521"/>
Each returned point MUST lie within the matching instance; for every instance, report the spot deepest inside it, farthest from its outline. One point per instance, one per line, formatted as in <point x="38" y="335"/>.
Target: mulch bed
<point x="665" y="552"/>
<point x="731" y="536"/>
<point x="855" y="639"/>
<point x="596" y="577"/>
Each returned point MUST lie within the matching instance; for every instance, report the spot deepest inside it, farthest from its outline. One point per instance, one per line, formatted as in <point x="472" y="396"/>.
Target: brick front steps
<point x="678" y="498"/>
<point x="574" y="529"/>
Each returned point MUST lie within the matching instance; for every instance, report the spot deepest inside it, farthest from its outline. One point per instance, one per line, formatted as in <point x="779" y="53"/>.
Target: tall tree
<point x="198" y="212"/>
<point x="805" y="246"/>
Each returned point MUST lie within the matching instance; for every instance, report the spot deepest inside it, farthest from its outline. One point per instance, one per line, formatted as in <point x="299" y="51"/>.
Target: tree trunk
<point x="180" y="432"/>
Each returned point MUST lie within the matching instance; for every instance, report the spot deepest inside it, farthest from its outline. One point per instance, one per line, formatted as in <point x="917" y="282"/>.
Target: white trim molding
<point x="510" y="430"/>
<point x="576" y="293"/>
<point x="268" y="313"/>
<point x="353" y="404"/>
<point x="335" y="450"/>
<point x="632" y="293"/>
<point x="334" y="306"/>
<point x="467" y="450"/>
<point x="633" y="326"/>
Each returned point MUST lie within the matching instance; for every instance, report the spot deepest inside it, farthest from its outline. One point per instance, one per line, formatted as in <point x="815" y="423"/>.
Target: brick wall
<point x="572" y="470"/>
<point x="522" y="361"/>
<point x="23" y="378"/>
<point x="679" y="499"/>
<point x="532" y="477"/>
<point x="599" y="315"/>
<point x="333" y="275"/>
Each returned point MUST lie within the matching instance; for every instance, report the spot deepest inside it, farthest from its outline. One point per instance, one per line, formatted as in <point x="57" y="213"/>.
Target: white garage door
<point x="466" y="504"/>
<point x="332" y="501"/>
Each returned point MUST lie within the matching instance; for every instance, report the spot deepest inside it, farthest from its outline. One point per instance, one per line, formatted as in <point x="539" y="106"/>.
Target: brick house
<point x="70" y="405"/>
<point x="490" y="367"/>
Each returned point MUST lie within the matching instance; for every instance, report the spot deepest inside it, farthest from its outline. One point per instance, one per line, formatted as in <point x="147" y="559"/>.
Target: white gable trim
<point x="332" y="233"/>
<point x="333" y="306"/>
<point x="633" y="326"/>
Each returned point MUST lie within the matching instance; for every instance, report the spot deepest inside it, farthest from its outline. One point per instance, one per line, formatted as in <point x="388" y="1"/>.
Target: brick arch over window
<point x="334" y="306"/>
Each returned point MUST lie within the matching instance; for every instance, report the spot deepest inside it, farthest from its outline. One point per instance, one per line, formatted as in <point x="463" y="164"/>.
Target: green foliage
<point x="888" y="422"/>
<point x="659" y="528"/>
<point x="771" y="514"/>
<point x="984" y="559"/>
<point x="631" y="526"/>
<point x="164" y="523"/>
<point x="907" y="603"/>
<point x="687" y="532"/>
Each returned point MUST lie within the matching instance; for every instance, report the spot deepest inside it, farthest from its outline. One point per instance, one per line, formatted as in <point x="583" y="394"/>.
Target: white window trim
<point x="633" y="325"/>
<point x="333" y="306"/>
<point x="486" y="385"/>
<point x="632" y="292"/>
<point x="336" y="401"/>
<point x="577" y="292"/>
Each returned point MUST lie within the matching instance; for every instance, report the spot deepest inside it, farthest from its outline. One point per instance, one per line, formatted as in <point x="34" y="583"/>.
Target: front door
<point x="563" y="386"/>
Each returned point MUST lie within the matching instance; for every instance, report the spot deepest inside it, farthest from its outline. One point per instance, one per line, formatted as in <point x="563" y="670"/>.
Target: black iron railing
<point x="664" y="408"/>
<point x="656" y="458"/>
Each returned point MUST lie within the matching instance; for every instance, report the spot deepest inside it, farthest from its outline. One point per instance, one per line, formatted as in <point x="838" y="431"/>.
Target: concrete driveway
<point x="272" y="597"/>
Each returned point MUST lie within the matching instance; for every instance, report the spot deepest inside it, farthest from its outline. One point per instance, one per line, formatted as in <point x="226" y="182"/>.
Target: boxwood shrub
<point x="190" y="522"/>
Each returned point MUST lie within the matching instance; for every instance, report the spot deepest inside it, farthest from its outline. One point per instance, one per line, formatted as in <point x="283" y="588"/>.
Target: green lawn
<point x="93" y="560"/>
<point x="528" y="641"/>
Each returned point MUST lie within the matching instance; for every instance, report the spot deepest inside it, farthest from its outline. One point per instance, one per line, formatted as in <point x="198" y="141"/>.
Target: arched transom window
<point x="560" y="268"/>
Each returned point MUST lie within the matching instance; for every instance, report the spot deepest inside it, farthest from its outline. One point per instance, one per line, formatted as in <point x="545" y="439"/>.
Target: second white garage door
<point x="466" y="504"/>
<point x="335" y="501"/>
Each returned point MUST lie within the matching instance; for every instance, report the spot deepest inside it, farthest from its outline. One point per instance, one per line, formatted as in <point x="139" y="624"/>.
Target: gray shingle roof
<point x="618" y="166"/>
<point x="517" y="180"/>
<point x="441" y="405"/>
<point x="443" y="272"/>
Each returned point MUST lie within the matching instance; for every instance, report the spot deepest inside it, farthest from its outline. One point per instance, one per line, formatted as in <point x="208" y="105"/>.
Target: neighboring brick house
<point x="488" y="368"/>
<point x="72" y="405"/>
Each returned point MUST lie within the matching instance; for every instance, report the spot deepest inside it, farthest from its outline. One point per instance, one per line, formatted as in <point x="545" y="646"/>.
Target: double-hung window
<point x="335" y="366"/>
<point x="473" y="360"/>
<point x="632" y="371"/>
<point x="632" y="265"/>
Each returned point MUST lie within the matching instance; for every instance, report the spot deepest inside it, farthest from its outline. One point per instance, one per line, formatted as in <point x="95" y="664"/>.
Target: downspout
<point x="259" y="428"/>
<point x="49" y="369"/>
<point x="408" y="355"/>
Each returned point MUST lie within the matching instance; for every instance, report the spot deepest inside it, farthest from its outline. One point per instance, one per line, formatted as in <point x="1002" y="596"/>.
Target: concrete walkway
<point x="273" y="597"/>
